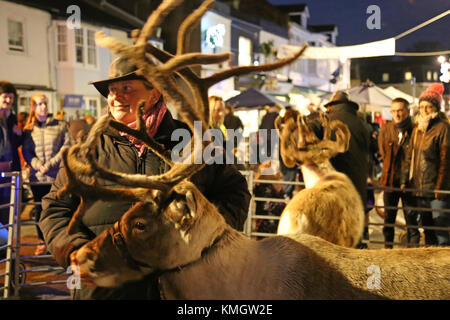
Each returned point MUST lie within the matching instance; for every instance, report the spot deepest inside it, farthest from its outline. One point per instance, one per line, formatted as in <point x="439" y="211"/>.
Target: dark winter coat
<point x="394" y="151"/>
<point x="431" y="158"/>
<point x="354" y="162"/>
<point x="47" y="140"/>
<point x="222" y="185"/>
<point x="10" y="142"/>
<point x="232" y="122"/>
<point x="9" y="155"/>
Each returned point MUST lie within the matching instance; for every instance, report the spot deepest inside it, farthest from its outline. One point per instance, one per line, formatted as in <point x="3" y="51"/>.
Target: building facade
<point x="42" y="51"/>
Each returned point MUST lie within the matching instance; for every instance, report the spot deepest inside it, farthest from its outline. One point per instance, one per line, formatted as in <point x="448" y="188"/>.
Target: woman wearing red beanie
<point x="430" y="163"/>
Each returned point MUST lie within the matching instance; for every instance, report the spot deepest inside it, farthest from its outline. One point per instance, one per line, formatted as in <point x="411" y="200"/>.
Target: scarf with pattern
<point x="153" y="118"/>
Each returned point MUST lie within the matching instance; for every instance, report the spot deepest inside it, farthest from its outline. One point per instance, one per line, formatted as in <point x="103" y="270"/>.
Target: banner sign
<point x="73" y="101"/>
<point x="370" y="49"/>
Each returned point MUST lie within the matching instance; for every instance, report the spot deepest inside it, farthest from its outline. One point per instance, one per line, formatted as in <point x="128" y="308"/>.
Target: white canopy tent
<point x="368" y="96"/>
<point x="395" y="93"/>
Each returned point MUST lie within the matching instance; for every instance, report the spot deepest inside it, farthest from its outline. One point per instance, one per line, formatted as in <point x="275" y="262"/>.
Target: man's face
<point x="41" y="106"/>
<point x="426" y="108"/>
<point x="6" y="100"/>
<point x="399" y="112"/>
<point x="124" y="97"/>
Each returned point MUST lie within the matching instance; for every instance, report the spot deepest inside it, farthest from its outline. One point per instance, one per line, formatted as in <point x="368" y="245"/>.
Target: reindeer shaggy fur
<point x="200" y="257"/>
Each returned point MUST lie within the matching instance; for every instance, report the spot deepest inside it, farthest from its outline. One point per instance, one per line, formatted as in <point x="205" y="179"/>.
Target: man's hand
<point x="43" y="169"/>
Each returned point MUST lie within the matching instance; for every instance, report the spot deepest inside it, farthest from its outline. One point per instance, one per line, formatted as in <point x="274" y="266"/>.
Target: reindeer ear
<point x="190" y="200"/>
<point x="180" y="210"/>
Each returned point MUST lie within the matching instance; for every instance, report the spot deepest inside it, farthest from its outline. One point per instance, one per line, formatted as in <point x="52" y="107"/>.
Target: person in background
<point x="394" y="145"/>
<point x="217" y="115"/>
<point x="26" y="193"/>
<point x="60" y="115"/>
<point x="268" y="124"/>
<point x="10" y="141"/>
<point x="378" y="118"/>
<point x="355" y="161"/>
<point x="44" y="139"/>
<point x="430" y="164"/>
<point x="231" y="121"/>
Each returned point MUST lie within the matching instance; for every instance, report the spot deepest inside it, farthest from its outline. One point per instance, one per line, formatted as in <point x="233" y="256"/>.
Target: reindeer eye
<point x="140" y="226"/>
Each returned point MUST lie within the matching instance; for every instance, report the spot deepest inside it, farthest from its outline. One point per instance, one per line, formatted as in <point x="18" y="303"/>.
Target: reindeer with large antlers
<point x="142" y="160"/>
<point x="176" y="235"/>
<point x="329" y="207"/>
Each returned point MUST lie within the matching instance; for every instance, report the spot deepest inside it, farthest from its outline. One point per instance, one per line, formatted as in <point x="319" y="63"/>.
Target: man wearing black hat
<point x="355" y="161"/>
<point x="223" y="185"/>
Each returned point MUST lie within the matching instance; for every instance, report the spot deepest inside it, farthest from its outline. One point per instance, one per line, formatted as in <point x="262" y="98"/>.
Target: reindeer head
<point x="299" y="144"/>
<point x="172" y="222"/>
<point x="152" y="237"/>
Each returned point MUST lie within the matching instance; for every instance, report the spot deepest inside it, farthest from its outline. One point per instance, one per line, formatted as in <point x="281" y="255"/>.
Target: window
<point x="435" y="76"/>
<point x="85" y="48"/>
<point x="79" y="45"/>
<point x="91" y="48"/>
<point x="91" y="106"/>
<point x="385" y="77"/>
<point x="245" y="52"/>
<point x="24" y="102"/>
<point x="15" y="36"/>
<point x="408" y="75"/>
<point x="429" y="75"/>
<point x="62" y="42"/>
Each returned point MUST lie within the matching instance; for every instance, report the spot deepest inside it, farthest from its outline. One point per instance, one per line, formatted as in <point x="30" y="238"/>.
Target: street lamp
<point x="441" y="59"/>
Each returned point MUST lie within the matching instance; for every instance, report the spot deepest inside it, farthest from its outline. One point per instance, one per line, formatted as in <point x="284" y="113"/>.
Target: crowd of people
<point x="408" y="156"/>
<point x="31" y="143"/>
<point x="410" y="153"/>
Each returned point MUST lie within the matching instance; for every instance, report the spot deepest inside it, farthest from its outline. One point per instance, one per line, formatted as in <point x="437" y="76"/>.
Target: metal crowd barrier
<point x="253" y="215"/>
<point x="15" y="273"/>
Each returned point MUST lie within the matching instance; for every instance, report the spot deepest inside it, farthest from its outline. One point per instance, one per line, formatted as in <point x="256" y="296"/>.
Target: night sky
<point x="397" y="16"/>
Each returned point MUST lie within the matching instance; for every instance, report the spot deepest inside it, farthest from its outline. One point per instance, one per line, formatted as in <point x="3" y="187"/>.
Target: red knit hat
<point x="433" y="94"/>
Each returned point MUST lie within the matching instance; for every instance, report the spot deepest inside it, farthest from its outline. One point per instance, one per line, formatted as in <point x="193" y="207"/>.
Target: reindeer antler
<point x="300" y="145"/>
<point x="80" y="161"/>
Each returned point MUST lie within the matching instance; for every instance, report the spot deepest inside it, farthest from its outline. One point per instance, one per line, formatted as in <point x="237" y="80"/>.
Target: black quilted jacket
<point x="223" y="185"/>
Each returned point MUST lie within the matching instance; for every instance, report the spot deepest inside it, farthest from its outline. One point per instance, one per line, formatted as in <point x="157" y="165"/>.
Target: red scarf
<point x="153" y="118"/>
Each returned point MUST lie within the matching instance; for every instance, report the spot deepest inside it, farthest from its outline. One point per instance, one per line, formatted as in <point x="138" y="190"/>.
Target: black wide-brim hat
<point x="119" y="70"/>
<point x="341" y="97"/>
